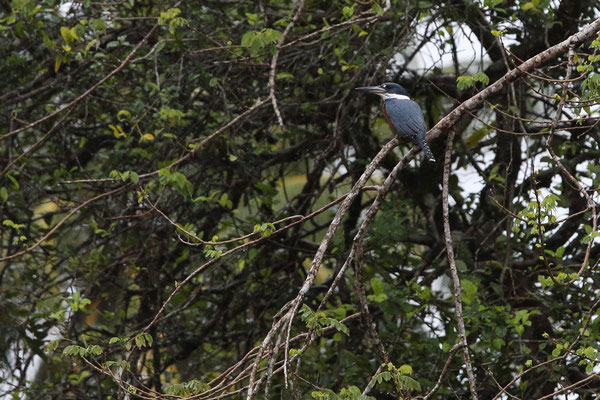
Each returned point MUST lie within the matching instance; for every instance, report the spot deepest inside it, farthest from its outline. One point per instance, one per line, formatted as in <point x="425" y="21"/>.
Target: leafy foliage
<point x="169" y="171"/>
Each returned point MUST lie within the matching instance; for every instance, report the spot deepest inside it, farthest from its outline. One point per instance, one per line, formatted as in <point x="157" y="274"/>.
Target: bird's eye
<point x="384" y="86"/>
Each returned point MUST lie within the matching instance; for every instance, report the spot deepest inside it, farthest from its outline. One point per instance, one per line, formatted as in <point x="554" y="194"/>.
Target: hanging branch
<point x="273" y="67"/>
<point x="455" y="279"/>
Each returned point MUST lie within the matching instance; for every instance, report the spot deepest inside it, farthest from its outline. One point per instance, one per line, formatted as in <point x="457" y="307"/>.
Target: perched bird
<point x="403" y="114"/>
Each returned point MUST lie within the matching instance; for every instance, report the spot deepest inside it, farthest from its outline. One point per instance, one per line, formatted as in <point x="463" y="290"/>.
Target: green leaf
<point x="339" y="326"/>
<point x="498" y="343"/>
<point x="52" y="345"/>
<point x="464" y="82"/>
<point x="377" y="9"/>
<point x="140" y="340"/>
<point x="168" y="15"/>
<point x="530" y="5"/>
<point x="148" y="338"/>
<point x="409" y="383"/>
<point x="589" y="352"/>
<point x="481" y="77"/>
<point x="348" y="12"/>
<point x="248" y="38"/>
<point x="123" y="115"/>
<point x="73" y="350"/>
<point x="257" y="40"/>
<point x="253" y="19"/>
<point x="469" y="290"/>
<point x="272" y="35"/>
<point x="57" y="62"/>
<point x="124" y="365"/>
<point x="93" y="350"/>
<point x="461" y="266"/>
<point x="14" y="181"/>
<point x="117" y="131"/>
<point x="555" y="352"/>
<point x="176" y="23"/>
<point x="147" y="137"/>
<point x="285" y="75"/>
<point x="97" y="24"/>
<point x="477" y="136"/>
<point x="134" y="177"/>
<point x="589" y="368"/>
<point x="378" y="298"/>
<point x="65" y="32"/>
<point x="377" y="285"/>
<point x="11" y="224"/>
<point x="405" y="369"/>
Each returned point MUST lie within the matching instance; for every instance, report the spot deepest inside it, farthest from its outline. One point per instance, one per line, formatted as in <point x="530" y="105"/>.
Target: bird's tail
<point x="426" y="150"/>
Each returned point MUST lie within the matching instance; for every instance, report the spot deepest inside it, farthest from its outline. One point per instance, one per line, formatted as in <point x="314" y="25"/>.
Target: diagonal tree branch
<point x="445" y="124"/>
<point x="586" y="33"/>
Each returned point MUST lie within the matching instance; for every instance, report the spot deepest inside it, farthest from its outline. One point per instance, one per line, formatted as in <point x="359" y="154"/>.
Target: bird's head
<point x="387" y="90"/>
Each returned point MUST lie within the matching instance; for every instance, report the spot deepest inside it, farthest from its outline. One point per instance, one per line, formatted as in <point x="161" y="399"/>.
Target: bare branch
<point x="455" y="279"/>
<point x="273" y="68"/>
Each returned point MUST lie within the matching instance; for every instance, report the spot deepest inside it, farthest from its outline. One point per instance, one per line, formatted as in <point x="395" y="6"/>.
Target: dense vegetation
<point x="194" y="202"/>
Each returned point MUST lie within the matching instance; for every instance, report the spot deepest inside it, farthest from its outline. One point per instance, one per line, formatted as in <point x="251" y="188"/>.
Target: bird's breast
<point x="389" y="121"/>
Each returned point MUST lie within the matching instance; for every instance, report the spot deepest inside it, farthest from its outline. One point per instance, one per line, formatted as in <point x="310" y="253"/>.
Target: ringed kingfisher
<point x="403" y="114"/>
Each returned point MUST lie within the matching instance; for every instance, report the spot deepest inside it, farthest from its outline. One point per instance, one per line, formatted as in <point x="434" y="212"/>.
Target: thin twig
<point x="582" y="331"/>
<point x="37" y="144"/>
<point x="251" y="243"/>
<point x="214" y="243"/>
<point x="189" y="153"/>
<point x="63" y="220"/>
<point x="566" y="172"/>
<point x="453" y="270"/>
<point x="273" y="67"/>
<point x="435" y="388"/>
<point x="91" y="89"/>
<point x="372" y="381"/>
<point x="586" y="33"/>
<point x="333" y="226"/>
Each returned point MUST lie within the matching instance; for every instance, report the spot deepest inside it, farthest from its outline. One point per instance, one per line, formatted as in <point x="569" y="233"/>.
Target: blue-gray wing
<point x="405" y="117"/>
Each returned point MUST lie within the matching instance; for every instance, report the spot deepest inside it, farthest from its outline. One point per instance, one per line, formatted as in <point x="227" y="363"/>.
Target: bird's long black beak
<point x="370" y="89"/>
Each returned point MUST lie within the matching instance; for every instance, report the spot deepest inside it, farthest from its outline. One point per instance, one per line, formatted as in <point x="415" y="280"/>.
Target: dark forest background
<point x="195" y="203"/>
